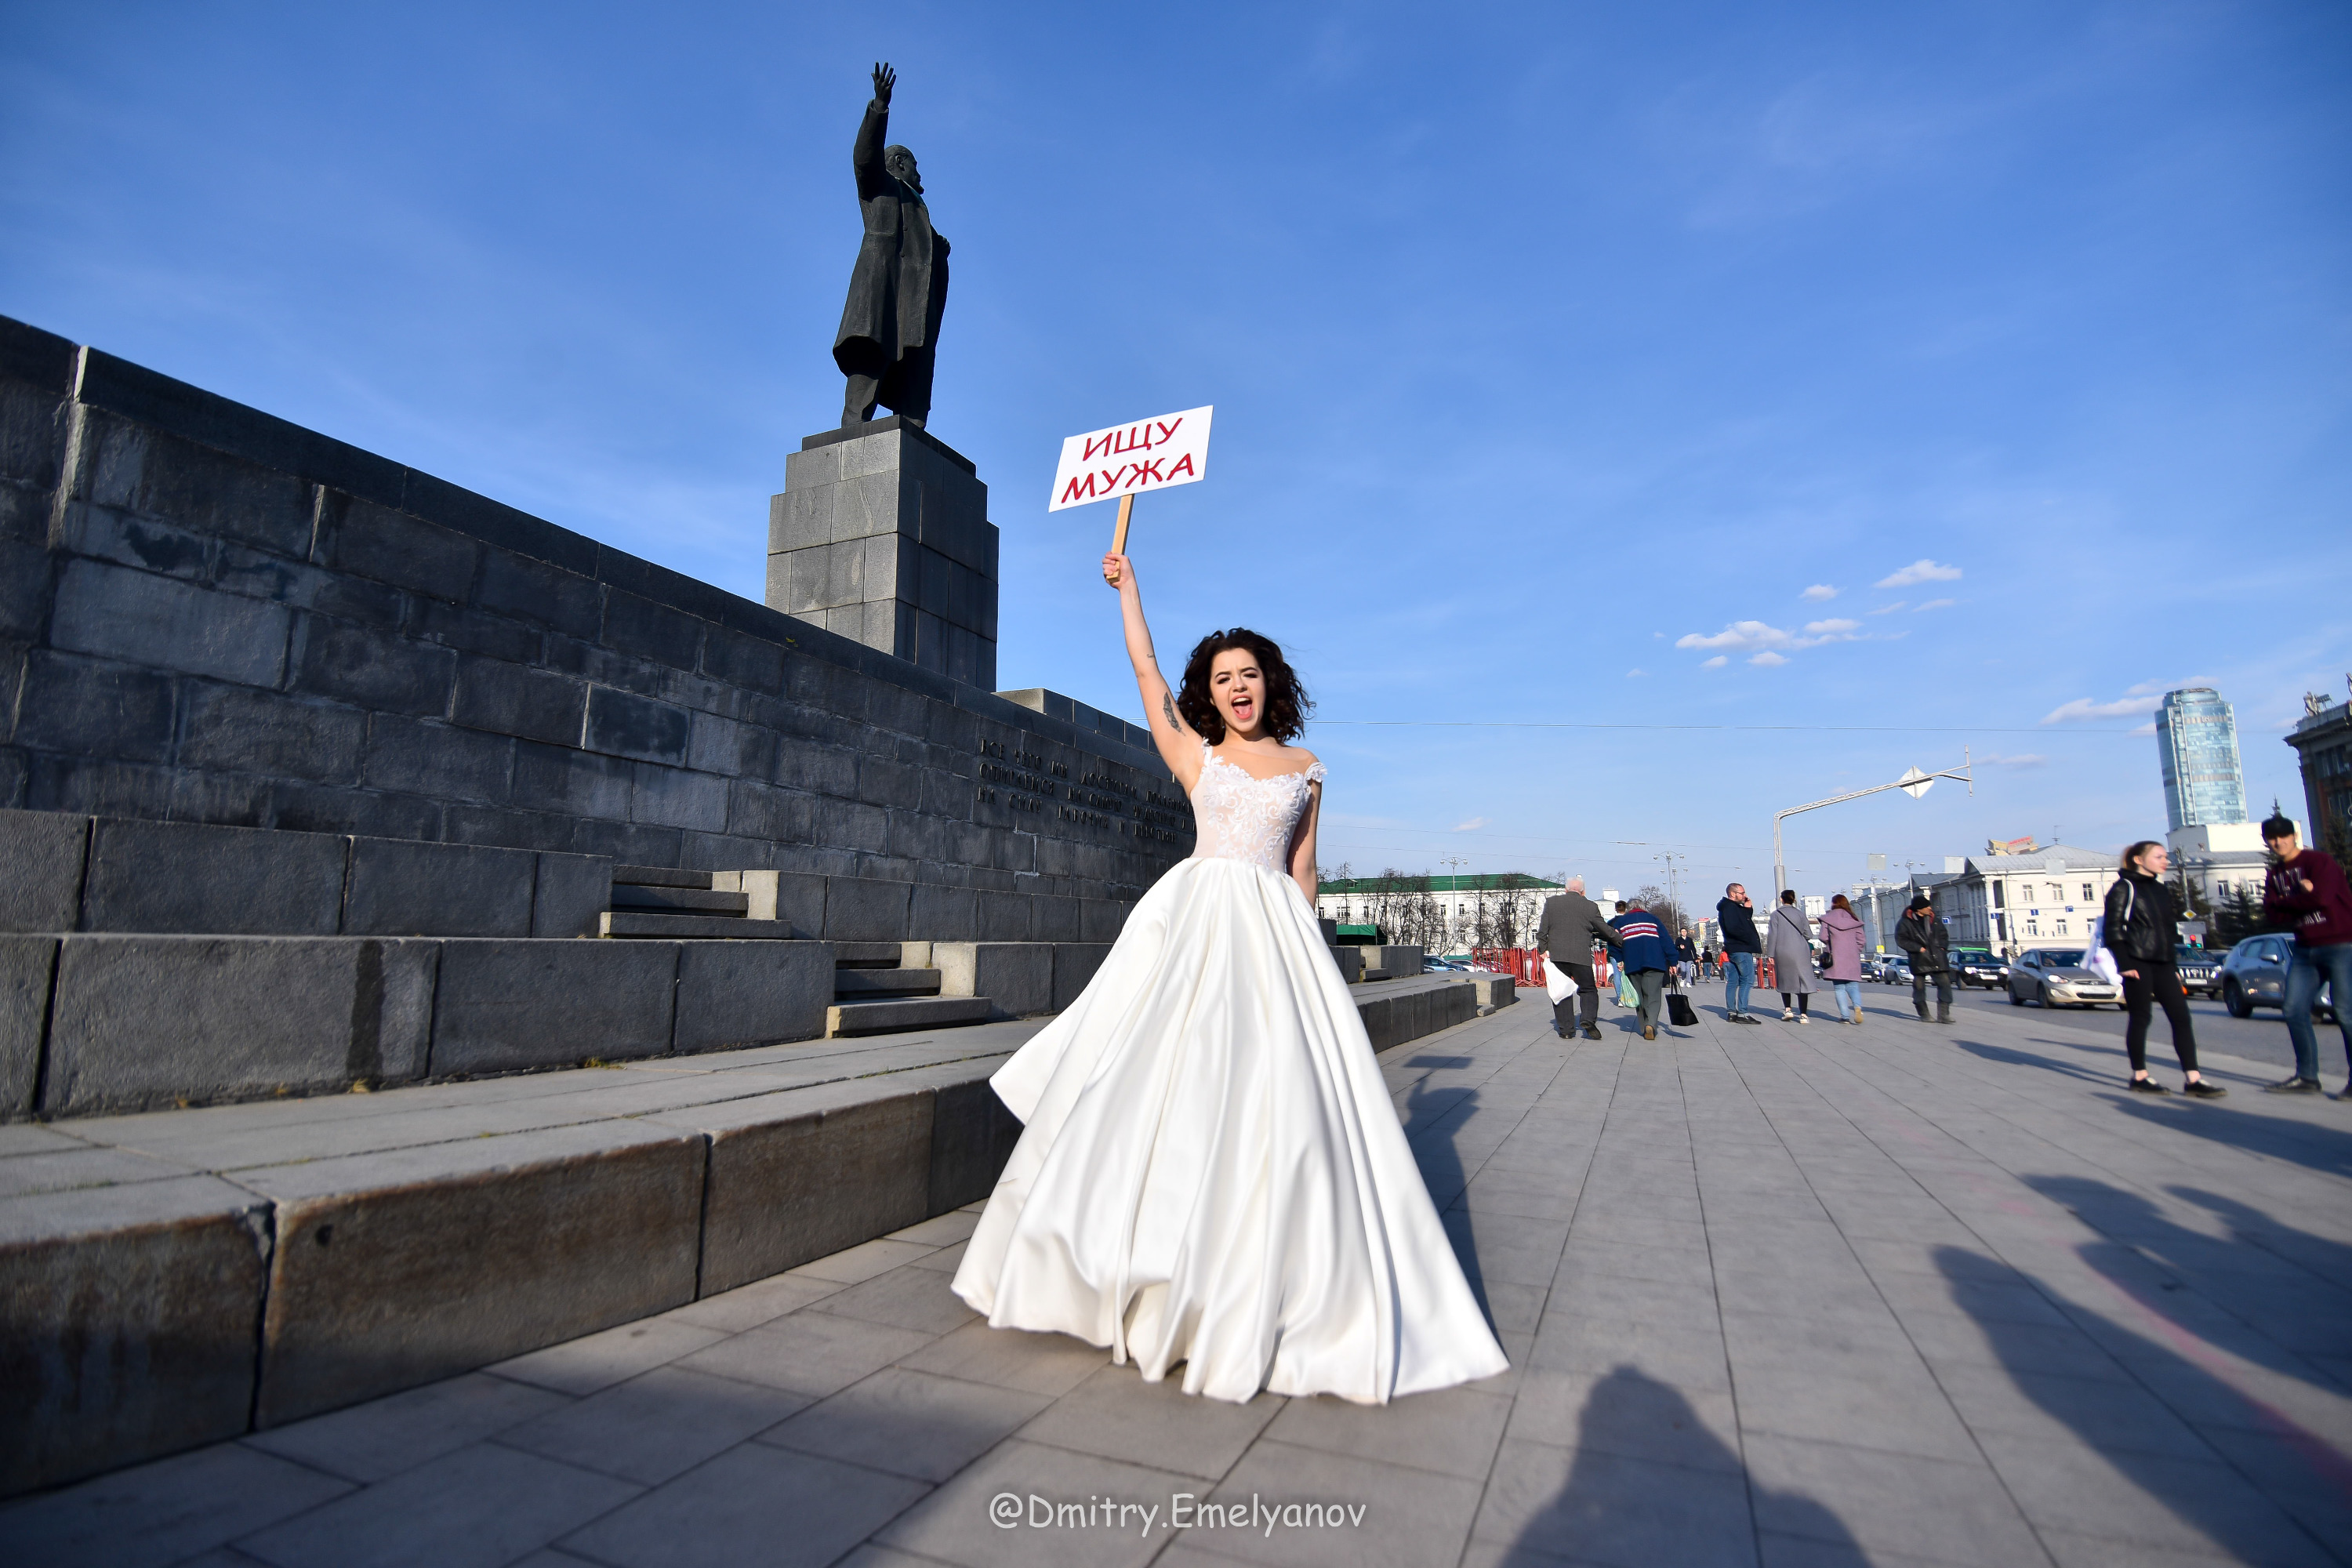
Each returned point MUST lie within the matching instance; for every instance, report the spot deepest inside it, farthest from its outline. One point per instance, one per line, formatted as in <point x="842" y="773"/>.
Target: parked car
<point x="2200" y="970"/>
<point x="1977" y="966"/>
<point x="2054" y="977"/>
<point x="2254" y="975"/>
<point x="1898" y="972"/>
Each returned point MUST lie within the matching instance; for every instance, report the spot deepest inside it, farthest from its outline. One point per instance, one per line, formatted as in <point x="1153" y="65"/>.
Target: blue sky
<point x="1558" y="352"/>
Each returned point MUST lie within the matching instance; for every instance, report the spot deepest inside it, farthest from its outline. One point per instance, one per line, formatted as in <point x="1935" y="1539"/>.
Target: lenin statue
<point x="891" y="327"/>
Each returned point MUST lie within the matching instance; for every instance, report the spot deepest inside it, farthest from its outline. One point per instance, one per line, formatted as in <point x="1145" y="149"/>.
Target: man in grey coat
<point x="1572" y="923"/>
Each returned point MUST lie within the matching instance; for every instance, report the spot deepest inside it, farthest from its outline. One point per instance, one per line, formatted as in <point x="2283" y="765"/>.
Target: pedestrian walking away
<point x="1921" y="933"/>
<point x="1566" y="933"/>
<point x="1788" y="942"/>
<point x="2142" y="929"/>
<point x="1741" y="947"/>
<point x="1649" y="955"/>
<point x="1842" y="932"/>
<point x="2306" y="890"/>
<point x="1687" y="953"/>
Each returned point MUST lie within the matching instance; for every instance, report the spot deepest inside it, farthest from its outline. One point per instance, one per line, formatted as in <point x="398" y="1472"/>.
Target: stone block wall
<point x="882" y="535"/>
<point x="208" y="615"/>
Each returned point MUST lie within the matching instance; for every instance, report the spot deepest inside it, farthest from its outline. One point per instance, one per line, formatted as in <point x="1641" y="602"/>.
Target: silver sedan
<point x="2054" y="977"/>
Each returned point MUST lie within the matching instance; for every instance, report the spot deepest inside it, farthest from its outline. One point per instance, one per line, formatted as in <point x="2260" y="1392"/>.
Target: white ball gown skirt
<point x="1212" y="1172"/>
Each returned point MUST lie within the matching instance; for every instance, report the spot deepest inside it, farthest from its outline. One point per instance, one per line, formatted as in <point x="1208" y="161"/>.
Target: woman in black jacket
<point x="2143" y="931"/>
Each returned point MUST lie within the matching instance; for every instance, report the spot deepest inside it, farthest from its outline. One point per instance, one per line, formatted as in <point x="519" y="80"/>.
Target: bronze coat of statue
<point x="891" y="327"/>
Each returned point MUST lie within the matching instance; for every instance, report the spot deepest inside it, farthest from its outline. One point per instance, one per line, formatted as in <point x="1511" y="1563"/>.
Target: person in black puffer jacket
<point x="2143" y="931"/>
<point x="1921" y="933"/>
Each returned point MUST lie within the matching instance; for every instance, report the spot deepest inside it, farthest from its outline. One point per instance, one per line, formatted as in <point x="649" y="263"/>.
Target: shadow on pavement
<point x="1433" y="1119"/>
<point x="2010" y="1056"/>
<point x="2143" y="1252"/>
<point x="1651" y="1484"/>
<point x="2300" y="1482"/>
<point x="2332" y="1260"/>
<point x="2317" y="1148"/>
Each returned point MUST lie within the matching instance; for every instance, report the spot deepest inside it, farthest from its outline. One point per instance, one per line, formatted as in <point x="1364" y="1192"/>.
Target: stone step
<point x="862" y="984"/>
<point x="720" y="928"/>
<point x="682" y="901"/>
<point x="869" y="954"/>
<point x="647" y="1183"/>
<point x="660" y="877"/>
<point x="851" y="1018"/>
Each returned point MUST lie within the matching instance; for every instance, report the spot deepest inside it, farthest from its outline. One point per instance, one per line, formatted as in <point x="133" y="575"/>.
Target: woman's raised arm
<point x="1178" y="743"/>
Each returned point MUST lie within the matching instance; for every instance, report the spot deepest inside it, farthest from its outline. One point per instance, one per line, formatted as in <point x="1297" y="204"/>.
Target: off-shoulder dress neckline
<point x="1312" y="772"/>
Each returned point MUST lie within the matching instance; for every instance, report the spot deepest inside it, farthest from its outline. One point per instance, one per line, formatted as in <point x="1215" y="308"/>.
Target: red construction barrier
<point x="1528" y="964"/>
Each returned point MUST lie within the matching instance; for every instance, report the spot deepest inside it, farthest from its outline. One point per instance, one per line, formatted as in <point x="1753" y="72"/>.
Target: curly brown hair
<point x="1287" y="702"/>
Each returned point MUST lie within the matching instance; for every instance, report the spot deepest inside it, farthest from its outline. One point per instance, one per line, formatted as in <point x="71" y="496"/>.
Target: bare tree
<point x="1670" y="915"/>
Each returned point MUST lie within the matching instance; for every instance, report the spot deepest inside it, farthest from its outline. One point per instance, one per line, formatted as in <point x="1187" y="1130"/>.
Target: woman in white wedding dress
<point x="1211" y="1170"/>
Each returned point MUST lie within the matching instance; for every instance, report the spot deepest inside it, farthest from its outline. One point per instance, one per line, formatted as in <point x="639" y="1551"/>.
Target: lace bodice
<point x="1240" y="817"/>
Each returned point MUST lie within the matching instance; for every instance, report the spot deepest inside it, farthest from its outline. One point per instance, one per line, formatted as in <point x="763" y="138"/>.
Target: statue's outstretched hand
<point x="885" y="78"/>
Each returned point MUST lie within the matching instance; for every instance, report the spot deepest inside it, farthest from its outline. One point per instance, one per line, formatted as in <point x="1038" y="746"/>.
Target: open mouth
<point x="1244" y="710"/>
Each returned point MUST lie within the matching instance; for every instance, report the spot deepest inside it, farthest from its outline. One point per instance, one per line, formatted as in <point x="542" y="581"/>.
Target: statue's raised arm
<point x="866" y="156"/>
<point x="898" y="291"/>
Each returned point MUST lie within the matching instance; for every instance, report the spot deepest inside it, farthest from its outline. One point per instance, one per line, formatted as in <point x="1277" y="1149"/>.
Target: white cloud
<point x="1717" y="662"/>
<point x="1920" y="570"/>
<point x="1631" y="673"/>
<point x="1819" y="591"/>
<point x="1935" y="605"/>
<point x="1887" y="609"/>
<point x="1738" y="637"/>
<point x="1767" y="658"/>
<point x="2147" y="729"/>
<point x="1472" y="825"/>
<point x="2084" y="708"/>
<point x="1758" y="636"/>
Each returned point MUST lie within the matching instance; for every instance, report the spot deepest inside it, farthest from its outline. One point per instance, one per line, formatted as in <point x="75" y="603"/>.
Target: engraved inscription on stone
<point x="1024" y="780"/>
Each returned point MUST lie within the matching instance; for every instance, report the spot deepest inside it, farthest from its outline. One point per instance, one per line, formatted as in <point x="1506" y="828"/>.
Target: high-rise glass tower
<point x="2197" y="738"/>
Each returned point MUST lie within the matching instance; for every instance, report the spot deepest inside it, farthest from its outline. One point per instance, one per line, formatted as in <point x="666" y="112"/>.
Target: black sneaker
<point x="1590" y="1033"/>
<point x="2147" y="1086"/>
<point x="2201" y="1089"/>
<point x="2293" y="1085"/>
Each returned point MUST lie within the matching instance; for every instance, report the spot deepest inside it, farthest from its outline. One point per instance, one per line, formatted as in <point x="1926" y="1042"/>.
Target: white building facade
<point x="1442" y="914"/>
<point x="2010" y="902"/>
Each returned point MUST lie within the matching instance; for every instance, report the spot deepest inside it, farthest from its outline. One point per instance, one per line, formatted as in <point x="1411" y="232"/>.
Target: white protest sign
<point x="1128" y="459"/>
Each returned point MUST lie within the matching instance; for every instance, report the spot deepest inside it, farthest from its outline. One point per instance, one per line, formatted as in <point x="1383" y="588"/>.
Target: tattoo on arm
<point x="1168" y="706"/>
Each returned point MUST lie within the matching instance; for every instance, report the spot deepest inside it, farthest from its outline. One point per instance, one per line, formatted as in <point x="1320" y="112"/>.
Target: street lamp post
<point x="1913" y="783"/>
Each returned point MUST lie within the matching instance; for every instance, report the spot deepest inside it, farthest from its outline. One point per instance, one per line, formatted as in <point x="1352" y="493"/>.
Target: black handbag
<point x="1679" y="1011"/>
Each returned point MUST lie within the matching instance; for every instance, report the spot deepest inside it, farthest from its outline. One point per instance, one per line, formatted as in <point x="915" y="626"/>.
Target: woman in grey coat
<point x="1788" y="942"/>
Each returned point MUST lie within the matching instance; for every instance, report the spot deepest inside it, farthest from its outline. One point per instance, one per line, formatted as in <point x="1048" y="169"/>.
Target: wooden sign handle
<point x="1126" y="511"/>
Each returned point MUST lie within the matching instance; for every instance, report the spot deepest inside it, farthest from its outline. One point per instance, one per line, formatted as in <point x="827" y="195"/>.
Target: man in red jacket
<point x="2306" y="890"/>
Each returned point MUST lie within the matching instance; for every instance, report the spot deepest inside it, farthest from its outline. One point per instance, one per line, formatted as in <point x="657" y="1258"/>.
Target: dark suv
<point x="2201" y="971"/>
<point x="1977" y="966"/>
<point x="2254" y="975"/>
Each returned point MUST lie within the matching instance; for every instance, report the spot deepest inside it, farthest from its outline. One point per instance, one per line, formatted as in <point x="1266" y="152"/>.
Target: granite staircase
<point x="887" y="987"/>
<point x="879" y="987"/>
<point x="663" y="901"/>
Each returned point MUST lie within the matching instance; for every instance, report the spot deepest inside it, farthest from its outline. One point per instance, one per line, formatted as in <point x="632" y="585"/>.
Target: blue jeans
<point x="1738" y="979"/>
<point x="2311" y="966"/>
<point x="1849" y="997"/>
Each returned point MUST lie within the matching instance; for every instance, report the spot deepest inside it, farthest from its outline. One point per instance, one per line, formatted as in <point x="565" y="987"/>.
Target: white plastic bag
<point x="2100" y="961"/>
<point x="1559" y="983"/>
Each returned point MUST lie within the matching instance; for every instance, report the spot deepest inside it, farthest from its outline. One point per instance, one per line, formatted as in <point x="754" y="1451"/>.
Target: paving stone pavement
<point x="1777" y="1296"/>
